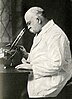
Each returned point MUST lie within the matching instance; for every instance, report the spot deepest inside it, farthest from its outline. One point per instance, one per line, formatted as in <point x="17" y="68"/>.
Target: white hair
<point x="35" y="10"/>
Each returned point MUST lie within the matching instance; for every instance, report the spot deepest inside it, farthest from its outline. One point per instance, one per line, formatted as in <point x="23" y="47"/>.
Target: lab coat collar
<point x="47" y="26"/>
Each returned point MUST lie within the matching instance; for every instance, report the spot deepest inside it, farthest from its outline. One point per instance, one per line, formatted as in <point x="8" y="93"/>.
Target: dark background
<point x="58" y="10"/>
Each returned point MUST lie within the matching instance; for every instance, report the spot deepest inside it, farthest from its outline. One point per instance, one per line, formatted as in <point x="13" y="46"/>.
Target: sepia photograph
<point x="35" y="49"/>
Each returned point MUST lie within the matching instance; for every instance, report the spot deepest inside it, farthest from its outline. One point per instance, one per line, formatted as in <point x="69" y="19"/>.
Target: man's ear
<point x="39" y="20"/>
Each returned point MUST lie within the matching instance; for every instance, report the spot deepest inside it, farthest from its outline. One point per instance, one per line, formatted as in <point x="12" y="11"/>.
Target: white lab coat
<point x="50" y="59"/>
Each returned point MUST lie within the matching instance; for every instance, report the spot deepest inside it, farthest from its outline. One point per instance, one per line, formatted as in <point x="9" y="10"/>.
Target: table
<point x="12" y="83"/>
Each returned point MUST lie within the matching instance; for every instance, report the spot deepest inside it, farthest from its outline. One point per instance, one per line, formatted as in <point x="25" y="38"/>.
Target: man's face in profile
<point x="32" y="22"/>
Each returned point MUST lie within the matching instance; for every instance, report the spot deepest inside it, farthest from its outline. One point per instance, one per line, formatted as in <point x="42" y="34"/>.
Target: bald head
<point x="35" y="10"/>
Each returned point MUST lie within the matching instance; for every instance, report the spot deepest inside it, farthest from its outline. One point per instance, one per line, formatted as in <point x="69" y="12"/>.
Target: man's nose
<point x="29" y="27"/>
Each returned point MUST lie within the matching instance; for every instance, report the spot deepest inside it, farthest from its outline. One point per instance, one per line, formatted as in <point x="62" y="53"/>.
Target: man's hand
<point x="24" y="66"/>
<point x="23" y="50"/>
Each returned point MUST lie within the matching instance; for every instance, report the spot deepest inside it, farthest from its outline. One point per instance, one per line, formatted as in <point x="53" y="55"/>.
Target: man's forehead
<point x="27" y="15"/>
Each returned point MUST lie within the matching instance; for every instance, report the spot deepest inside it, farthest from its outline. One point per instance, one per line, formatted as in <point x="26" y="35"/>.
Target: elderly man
<point x="49" y="58"/>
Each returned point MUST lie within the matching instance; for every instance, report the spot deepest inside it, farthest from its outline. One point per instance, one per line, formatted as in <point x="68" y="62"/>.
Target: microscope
<point x="13" y="56"/>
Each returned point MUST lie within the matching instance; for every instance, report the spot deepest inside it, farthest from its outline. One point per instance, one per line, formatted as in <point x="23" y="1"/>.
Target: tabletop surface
<point x="13" y="70"/>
